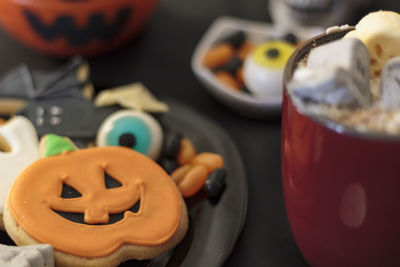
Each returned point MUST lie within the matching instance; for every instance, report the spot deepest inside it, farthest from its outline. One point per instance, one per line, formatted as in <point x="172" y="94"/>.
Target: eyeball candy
<point x="215" y="183"/>
<point x="134" y="129"/>
<point x="263" y="68"/>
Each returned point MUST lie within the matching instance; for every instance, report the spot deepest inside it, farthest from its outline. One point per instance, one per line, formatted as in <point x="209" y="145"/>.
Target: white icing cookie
<point x="18" y="149"/>
<point x="27" y="256"/>
<point x="135" y="129"/>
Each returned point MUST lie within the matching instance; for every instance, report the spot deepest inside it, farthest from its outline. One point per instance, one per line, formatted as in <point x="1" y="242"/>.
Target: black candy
<point x="246" y="90"/>
<point x="236" y="39"/>
<point x="215" y="183"/>
<point x="172" y="144"/>
<point x="127" y="140"/>
<point x="169" y="165"/>
<point x="291" y="38"/>
<point x="232" y="66"/>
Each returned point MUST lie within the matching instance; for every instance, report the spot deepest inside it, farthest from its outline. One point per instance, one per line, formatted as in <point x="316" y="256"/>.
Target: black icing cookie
<point x="76" y="118"/>
<point x="24" y="83"/>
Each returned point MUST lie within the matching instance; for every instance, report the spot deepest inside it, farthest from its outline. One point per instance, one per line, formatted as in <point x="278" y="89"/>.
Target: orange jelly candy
<point x="218" y="55"/>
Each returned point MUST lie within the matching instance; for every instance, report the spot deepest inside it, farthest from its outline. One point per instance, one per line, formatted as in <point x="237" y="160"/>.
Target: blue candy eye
<point x="133" y="129"/>
<point x="130" y="132"/>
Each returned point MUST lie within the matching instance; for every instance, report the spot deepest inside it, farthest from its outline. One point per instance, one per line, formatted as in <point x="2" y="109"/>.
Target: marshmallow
<point x="350" y="54"/>
<point x="40" y="255"/>
<point x="380" y="32"/>
<point x="390" y="85"/>
<point x="337" y="74"/>
<point x="332" y="86"/>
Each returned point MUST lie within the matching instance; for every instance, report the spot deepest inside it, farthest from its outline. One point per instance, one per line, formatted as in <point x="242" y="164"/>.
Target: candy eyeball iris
<point x="133" y="129"/>
<point x="263" y="68"/>
<point x="273" y="54"/>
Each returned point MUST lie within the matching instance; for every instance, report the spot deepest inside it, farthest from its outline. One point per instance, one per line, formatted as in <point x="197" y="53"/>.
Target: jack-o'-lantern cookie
<point x="18" y="149"/>
<point x="97" y="206"/>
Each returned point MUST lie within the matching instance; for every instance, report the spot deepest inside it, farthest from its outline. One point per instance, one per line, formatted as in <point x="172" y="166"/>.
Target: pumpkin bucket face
<point x="67" y="27"/>
<point x="90" y="202"/>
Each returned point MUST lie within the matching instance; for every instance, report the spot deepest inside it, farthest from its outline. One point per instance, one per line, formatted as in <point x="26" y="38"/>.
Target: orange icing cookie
<point x="40" y="206"/>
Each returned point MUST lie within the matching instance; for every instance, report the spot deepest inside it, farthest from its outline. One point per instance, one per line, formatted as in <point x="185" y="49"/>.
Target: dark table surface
<point x="160" y="58"/>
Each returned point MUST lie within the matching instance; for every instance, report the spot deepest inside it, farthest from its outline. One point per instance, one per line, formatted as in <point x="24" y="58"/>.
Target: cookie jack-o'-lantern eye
<point x="133" y="129"/>
<point x="69" y="192"/>
<point x="110" y="182"/>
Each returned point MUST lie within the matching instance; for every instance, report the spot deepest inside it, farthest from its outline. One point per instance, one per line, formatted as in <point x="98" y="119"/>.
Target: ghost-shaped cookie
<point x="18" y="149"/>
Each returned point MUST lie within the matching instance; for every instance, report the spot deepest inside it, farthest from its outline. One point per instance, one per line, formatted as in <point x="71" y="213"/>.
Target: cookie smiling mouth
<point x="96" y="27"/>
<point x="113" y="217"/>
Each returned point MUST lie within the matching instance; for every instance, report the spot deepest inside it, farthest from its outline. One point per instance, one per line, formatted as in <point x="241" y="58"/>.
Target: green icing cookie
<point x="56" y="145"/>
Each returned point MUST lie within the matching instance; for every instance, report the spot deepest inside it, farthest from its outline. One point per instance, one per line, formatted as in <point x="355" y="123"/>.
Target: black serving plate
<point x="214" y="226"/>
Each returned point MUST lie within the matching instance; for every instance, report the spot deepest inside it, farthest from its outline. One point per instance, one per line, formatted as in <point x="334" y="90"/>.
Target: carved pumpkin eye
<point x="70" y="27"/>
<point x="133" y="129"/>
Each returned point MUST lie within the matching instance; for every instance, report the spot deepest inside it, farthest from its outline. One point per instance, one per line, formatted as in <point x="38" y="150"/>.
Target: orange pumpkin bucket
<point x="68" y="27"/>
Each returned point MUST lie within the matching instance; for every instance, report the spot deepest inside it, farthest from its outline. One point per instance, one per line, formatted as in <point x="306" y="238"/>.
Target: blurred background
<point x="160" y="58"/>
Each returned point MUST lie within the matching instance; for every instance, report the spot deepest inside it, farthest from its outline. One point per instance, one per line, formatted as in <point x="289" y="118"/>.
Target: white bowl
<point x="256" y="32"/>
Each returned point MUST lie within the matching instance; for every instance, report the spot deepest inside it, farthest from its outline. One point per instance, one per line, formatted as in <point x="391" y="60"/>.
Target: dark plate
<point x="213" y="227"/>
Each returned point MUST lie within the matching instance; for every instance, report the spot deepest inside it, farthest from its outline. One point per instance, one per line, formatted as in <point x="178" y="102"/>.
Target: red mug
<point x="341" y="187"/>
